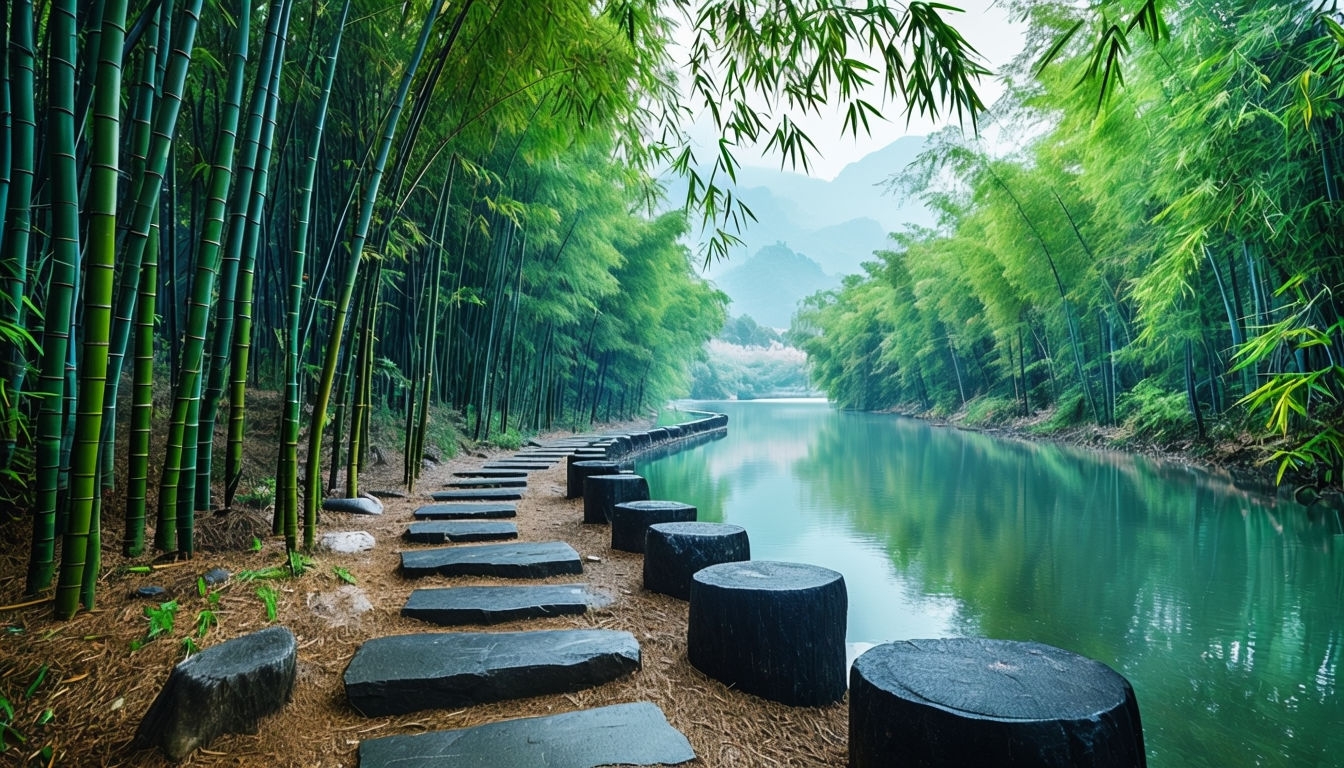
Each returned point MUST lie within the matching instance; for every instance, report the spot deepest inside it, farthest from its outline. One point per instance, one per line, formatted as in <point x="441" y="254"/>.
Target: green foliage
<point x="343" y="574"/>
<point x="989" y="411"/>
<point x="1153" y="412"/>
<point x="509" y="440"/>
<point x="268" y="596"/>
<point x="260" y="496"/>
<point x="161" y="620"/>
<point x="296" y="564"/>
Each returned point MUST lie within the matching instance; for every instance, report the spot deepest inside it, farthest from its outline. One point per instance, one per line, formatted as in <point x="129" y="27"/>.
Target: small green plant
<point x="510" y="440"/>
<point x="343" y="574"/>
<point x="260" y="495"/>
<point x="8" y="714"/>
<point x="296" y="564"/>
<point x="268" y="596"/>
<point x="161" y="620"/>
<point x="256" y="544"/>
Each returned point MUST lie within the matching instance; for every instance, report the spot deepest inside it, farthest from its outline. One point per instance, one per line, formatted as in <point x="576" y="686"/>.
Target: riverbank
<point x="1236" y="456"/>
<point x="98" y="688"/>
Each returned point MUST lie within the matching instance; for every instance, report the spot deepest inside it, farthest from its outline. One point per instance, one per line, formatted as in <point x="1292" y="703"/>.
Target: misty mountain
<point x="769" y="285"/>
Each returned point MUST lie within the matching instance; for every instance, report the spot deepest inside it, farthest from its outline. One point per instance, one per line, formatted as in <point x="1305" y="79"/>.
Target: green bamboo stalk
<point x="239" y="223"/>
<point x="100" y="258"/>
<point x="287" y="469"/>
<point x="60" y="145"/>
<point x="142" y="403"/>
<point x="17" y="221"/>
<point x="242" y="329"/>
<point x="189" y="379"/>
<point x="346" y="290"/>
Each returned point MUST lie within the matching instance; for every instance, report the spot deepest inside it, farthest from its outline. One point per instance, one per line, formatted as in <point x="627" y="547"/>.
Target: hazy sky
<point x="984" y="24"/>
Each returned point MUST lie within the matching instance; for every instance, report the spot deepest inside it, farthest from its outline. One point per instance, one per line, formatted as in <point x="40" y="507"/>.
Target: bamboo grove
<point x="368" y="207"/>
<point x="1159" y="251"/>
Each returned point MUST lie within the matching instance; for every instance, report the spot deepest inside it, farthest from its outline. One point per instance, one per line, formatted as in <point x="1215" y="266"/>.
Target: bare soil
<point x="98" y="689"/>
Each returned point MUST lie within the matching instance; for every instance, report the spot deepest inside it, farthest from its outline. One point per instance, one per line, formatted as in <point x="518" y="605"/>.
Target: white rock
<point x="347" y="542"/>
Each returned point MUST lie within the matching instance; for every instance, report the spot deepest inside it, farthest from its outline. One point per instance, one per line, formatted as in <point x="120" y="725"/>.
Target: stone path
<point x="406" y="673"/>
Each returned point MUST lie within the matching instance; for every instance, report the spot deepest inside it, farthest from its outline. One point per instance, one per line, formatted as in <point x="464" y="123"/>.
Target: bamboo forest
<point x="407" y="208"/>
<point x="1150" y="241"/>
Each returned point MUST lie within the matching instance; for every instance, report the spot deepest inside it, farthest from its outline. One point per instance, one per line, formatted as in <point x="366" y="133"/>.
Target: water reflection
<point x="1222" y="609"/>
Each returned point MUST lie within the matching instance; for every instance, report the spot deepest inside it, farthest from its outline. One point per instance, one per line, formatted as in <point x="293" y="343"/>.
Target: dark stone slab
<point x="444" y="531"/>
<point x="478" y="494"/>
<point x="521" y="560"/>
<point x="150" y="592"/>
<point x="513" y="481"/>
<point x="630" y="520"/>
<point x="407" y="673"/>
<point x="773" y="629"/>
<point x="579" y="469"/>
<point x="673" y="552"/>
<point x="464" y="511"/>
<point x="519" y="464"/>
<point x="491" y="473"/>
<point x="362" y="505"/>
<point x="491" y="605"/>
<point x="624" y="734"/>
<point x="602" y="492"/>
<point x="226" y="688"/>
<point x="972" y="701"/>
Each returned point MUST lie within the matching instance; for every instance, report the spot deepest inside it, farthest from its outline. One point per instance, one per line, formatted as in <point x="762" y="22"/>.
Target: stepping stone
<point x="602" y="492"/>
<point x="774" y="629"/>
<point x="674" y="552"/>
<point x="522" y="560"/>
<point x="491" y="473"/>
<point x="630" y="520"/>
<point x="387" y="494"/>
<point x="444" y="531"/>
<point x="226" y="688"/>
<point x="621" y="734"/>
<point x="514" y="467"/>
<point x="976" y="701"/>
<point x="478" y="494"/>
<point x="347" y="542"/>
<point x="579" y="469"/>
<point x="512" y="481"/>
<point x="464" y="511"/>
<point x="491" y="605"/>
<point x="431" y="670"/>
<point x="362" y="505"/>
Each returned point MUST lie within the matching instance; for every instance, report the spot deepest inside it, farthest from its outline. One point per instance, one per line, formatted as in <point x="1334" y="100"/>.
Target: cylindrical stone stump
<point x="972" y="701"/>
<point x="602" y="492"/>
<point x="579" y="468"/>
<point x="673" y="552"/>
<point x="630" y="520"/>
<point x="773" y="629"/>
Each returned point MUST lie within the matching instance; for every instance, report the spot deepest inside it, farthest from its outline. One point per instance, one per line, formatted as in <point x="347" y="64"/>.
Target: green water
<point x="1222" y="608"/>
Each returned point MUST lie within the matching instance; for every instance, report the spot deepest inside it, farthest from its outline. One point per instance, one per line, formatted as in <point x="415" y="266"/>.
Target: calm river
<point x="1222" y="609"/>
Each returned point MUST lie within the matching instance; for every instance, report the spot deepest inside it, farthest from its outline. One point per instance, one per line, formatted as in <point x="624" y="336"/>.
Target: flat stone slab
<point x="464" y="511"/>
<point x="226" y="688"/>
<point x="491" y="473"/>
<point x="362" y="505"/>
<point x="444" y="531"/>
<point x="622" y="734"/>
<point x="478" y="494"/>
<point x="512" y="481"/>
<point x="513" y="467"/>
<point x="491" y="605"/>
<point x="520" y="560"/>
<point x="430" y="670"/>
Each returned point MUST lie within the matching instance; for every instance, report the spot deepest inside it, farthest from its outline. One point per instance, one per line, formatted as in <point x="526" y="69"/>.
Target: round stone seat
<point x="630" y="520"/>
<point x="578" y="469"/>
<point x="673" y="552"/>
<point x="770" y="628"/>
<point x="974" y="701"/>
<point x="602" y="492"/>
